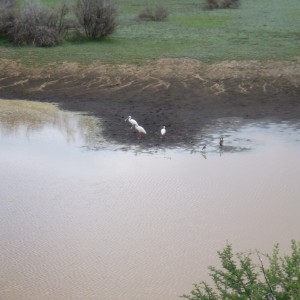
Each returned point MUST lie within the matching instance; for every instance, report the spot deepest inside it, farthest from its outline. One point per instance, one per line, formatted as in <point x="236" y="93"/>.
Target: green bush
<point x="241" y="278"/>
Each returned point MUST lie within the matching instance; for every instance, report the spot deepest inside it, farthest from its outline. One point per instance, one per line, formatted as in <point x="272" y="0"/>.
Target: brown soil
<point x="182" y="94"/>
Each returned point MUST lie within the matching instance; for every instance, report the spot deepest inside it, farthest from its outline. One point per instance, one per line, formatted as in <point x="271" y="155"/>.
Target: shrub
<point x="243" y="279"/>
<point x="213" y="4"/>
<point x="230" y="4"/>
<point x="6" y="16"/>
<point x="6" y="4"/>
<point x="63" y="25"/>
<point x="96" y="17"/>
<point x="36" y="25"/>
<point x="159" y="13"/>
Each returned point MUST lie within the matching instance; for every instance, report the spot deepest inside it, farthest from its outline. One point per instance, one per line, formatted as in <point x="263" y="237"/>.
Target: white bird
<point x="131" y="121"/>
<point x="163" y="131"/>
<point x="140" y="129"/>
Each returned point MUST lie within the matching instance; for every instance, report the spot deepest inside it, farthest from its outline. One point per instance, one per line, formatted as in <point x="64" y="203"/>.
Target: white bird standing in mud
<point x="132" y="121"/>
<point x="140" y="130"/>
<point x="163" y="131"/>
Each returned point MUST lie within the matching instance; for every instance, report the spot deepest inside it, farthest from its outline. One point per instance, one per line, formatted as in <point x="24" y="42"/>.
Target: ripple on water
<point x="129" y="222"/>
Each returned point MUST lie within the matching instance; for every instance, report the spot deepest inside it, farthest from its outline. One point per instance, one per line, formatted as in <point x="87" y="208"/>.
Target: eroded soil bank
<point x="182" y="94"/>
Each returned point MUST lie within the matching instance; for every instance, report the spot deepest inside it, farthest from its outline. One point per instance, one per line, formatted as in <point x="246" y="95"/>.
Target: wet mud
<point x="183" y="95"/>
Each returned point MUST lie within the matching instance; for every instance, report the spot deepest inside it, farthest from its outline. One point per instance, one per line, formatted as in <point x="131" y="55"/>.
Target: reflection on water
<point x="30" y="118"/>
<point x="129" y="224"/>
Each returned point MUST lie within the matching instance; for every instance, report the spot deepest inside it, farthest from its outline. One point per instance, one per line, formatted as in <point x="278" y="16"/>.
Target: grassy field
<point x="259" y="29"/>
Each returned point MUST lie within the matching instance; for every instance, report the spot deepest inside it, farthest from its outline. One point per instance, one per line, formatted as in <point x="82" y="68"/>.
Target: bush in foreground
<point x="241" y="278"/>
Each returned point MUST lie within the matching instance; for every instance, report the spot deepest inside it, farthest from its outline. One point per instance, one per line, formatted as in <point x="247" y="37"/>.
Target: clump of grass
<point x="159" y="13"/>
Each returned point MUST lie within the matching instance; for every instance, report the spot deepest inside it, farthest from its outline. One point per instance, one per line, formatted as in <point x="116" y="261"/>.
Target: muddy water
<point x="82" y="224"/>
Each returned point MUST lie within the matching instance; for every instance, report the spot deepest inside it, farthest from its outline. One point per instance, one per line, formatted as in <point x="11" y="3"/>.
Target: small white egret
<point x="131" y="121"/>
<point x="163" y="131"/>
<point x="140" y="129"/>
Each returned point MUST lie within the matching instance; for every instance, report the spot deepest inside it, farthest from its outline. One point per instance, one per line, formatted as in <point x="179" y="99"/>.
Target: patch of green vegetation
<point x="259" y="30"/>
<point x="113" y="50"/>
<point x="242" y="278"/>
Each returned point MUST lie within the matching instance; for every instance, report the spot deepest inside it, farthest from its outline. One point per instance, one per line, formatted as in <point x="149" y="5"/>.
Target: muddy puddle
<point x="83" y="217"/>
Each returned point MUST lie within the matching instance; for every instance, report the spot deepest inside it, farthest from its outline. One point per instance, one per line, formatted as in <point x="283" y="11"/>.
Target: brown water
<point x="83" y="224"/>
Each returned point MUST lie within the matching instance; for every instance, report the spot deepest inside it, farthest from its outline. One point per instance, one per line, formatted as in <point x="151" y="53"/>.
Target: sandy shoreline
<point x="182" y="94"/>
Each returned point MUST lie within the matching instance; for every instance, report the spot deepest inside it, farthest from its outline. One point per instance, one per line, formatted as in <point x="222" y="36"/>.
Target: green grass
<point x="259" y="29"/>
<point x="199" y="21"/>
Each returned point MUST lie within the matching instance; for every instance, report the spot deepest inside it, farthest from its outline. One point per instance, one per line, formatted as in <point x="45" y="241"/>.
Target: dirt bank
<point x="182" y="94"/>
